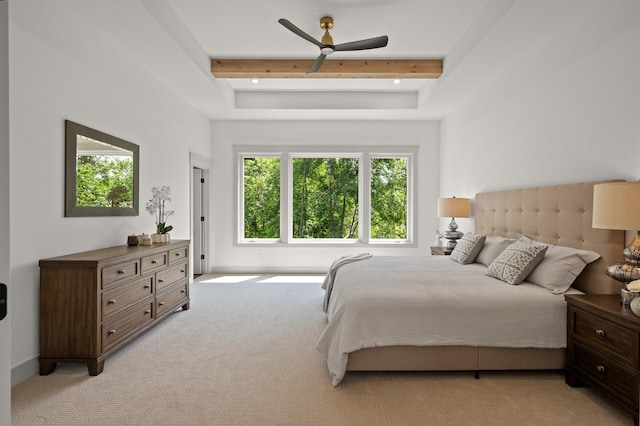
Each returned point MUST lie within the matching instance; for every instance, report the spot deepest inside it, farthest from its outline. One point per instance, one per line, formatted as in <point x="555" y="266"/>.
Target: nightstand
<point x="603" y="348"/>
<point x="440" y="251"/>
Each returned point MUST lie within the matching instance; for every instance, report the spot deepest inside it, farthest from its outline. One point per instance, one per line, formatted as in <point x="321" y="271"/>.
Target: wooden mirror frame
<point x="72" y="131"/>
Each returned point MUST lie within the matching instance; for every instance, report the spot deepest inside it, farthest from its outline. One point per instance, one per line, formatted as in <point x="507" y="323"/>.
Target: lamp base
<point x="452" y="234"/>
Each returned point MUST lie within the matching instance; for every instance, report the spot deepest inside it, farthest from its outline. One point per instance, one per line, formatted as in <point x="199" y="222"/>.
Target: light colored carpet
<point x="244" y="354"/>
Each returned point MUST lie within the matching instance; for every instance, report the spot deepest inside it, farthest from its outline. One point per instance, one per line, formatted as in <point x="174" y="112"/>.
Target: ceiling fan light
<point x="327" y="50"/>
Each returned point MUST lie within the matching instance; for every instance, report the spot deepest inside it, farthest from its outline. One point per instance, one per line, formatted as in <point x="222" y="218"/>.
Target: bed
<point x="437" y="291"/>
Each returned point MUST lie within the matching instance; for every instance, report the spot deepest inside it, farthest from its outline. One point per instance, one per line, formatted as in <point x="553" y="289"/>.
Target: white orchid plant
<point x="156" y="207"/>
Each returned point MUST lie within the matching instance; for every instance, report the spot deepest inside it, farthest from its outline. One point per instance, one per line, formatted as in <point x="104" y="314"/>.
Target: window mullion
<point x="286" y="198"/>
<point x="364" y="198"/>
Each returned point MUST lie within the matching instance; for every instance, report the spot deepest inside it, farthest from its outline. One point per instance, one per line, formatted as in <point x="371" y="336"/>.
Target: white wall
<point x="225" y="134"/>
<point x="63" y="68"/>
<point x="567" y="112"/>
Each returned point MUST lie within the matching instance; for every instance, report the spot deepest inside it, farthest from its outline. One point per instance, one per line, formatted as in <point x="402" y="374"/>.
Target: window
<point x="325" y="197"/>
<point x="261" y="207"/>
<point x="320" y="197"/>
<point x="389" y="198"/>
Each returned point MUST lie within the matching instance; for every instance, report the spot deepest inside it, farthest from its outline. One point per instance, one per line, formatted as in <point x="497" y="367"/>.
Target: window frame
<point x="365" y="154"/>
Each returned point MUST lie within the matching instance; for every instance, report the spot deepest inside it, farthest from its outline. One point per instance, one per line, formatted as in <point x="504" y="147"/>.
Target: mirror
<point x="101" y="173"/>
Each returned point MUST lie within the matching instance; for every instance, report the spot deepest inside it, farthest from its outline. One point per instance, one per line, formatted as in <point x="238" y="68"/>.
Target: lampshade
<point x="454" y="207"/>
<point x="616" y="206"/>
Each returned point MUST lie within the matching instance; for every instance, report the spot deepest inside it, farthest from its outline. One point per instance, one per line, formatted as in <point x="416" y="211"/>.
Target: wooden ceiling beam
<point x="331" y="68"/>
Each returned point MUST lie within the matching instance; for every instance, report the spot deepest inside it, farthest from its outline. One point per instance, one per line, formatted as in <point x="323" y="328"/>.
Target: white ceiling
<point x="175" y="39"/>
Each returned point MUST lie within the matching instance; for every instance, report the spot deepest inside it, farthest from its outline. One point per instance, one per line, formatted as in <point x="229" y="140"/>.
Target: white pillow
<point x="516" y="262"/>
<point x="493" y="246"/>
<point x="560" y="267"/>
<point x="467" y="248"/>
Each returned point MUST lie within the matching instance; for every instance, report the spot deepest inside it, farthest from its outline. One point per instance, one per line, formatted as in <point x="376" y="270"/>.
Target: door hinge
<point x="201" y="218"/>
<point x="202" y="256"/>
<point x="201" y="180"/>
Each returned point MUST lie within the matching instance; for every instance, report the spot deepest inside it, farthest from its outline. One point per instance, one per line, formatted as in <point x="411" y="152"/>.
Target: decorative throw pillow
<point x="467" y="248"/>
<point x="560" y="267"/>
<point x="516" y="262"/>
<point x="493" y="246"/>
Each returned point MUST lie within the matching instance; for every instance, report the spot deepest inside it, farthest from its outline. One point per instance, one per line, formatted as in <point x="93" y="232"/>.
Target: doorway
<point x="200" y="214"/>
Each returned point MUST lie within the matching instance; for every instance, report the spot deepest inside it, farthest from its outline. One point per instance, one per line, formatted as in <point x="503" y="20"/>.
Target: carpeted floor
<point x="244" y="354"/>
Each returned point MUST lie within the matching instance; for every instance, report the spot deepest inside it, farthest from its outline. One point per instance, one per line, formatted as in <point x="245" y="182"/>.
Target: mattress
<point x="434" y="301"/>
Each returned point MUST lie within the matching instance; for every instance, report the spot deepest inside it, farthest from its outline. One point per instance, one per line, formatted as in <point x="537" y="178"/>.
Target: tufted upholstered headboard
<point x="557" y="214"/>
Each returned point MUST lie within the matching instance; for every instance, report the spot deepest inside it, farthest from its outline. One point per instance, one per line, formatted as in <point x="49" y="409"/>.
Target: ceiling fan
<point x="326" y="45"/>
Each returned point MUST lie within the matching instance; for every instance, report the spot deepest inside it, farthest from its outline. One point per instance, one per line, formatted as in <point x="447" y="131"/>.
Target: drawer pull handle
<point x="182" y="270"/>
<point x="112" y="301"/>
<point x="122" y="271"/>
<point x="160" y="281"/>
<point x="154" y="261"/>
<point x="600" y="332"/>
<point x="161" y="303"/>
<point x="177" y="254"/>
<point x="147" y="286"/>
<point x="148" y="311"/>
<point x="112" y="331"/>
<point x="183" y="291"/>
<point x="600" y="368"/>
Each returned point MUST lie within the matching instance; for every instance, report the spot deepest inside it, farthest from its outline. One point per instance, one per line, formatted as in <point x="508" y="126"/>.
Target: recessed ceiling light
<point x="396" y="81"/>
<point x="255" y="81"/>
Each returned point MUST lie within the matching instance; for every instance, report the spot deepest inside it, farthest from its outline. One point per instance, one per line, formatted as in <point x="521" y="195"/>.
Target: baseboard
<point x="22" y="372"/>
<point x="269" y="270"/>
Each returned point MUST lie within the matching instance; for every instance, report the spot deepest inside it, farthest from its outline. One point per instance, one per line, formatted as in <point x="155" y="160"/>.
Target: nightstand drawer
<point x="610" y="374"/>
<point x="607" y="336"/>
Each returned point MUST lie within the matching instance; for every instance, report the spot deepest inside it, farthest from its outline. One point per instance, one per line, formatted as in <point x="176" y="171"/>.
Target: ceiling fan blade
<point x="316" y="65"/>
<point x="288" y="25"/>
<point x="370" y="43"/>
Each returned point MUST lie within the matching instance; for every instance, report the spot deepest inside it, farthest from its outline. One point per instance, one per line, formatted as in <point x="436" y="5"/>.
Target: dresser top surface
<point x="116" y="252"/>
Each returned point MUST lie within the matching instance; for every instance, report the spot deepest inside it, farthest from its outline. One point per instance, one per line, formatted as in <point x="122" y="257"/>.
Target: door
<point x="198" y="221"/>
<point x="200" y="170"/>
<point x="5" y="324"/>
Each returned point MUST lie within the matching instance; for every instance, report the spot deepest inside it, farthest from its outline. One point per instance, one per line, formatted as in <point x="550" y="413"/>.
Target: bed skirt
<point x="454" y="358"/>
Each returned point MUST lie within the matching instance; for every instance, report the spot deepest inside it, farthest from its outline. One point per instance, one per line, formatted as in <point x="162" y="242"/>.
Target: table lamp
<point x="453" y="207"/>
<point x="617" y="206"/>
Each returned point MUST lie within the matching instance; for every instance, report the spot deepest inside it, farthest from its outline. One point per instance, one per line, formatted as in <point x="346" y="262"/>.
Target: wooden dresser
<point x="95" y="302"/>
<point x="603" y="348"/>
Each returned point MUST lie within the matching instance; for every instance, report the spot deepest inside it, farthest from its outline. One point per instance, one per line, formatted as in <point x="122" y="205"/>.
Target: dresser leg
<point x="95" y="367"/>
<point x="185" y="307"/>
<point x="47" y="367"/>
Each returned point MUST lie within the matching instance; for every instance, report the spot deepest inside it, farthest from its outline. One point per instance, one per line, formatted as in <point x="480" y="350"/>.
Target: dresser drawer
<point x="117" y="273"/>
<point x="178" y="255"/>
<point x="607" y="336"/>
<point x="608" y="373"/>
<point x="171" y="298"/>
<point x="122" y="326"/>
<point x="170" y="276"/>
<point x="152" y="263"/>
<point x="121" y="297"/>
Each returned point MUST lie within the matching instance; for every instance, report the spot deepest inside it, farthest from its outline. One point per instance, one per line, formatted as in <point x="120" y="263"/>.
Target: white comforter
<point x="434" y="301"/>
